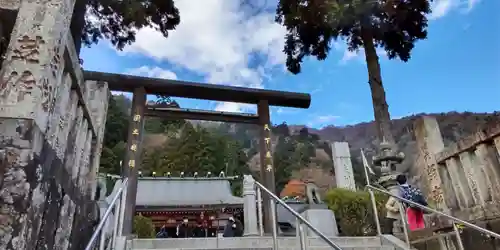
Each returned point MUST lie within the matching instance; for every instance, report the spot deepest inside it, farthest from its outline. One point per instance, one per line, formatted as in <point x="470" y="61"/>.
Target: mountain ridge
<point x="453" y="126"/>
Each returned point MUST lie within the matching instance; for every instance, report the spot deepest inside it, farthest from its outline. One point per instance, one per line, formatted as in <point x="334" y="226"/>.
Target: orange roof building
<point x="294" y="188"/>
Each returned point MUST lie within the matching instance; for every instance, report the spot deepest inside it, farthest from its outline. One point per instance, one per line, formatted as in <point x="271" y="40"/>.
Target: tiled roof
<point x="188" y="191"/>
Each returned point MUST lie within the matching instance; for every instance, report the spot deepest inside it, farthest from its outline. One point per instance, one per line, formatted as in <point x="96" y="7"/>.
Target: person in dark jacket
<point x="199" y="231"/>
<point x="163" y="232"/>
<point x="233" y="228"/>
<point x="238" y="232"/>
<point x="183" y="229"/>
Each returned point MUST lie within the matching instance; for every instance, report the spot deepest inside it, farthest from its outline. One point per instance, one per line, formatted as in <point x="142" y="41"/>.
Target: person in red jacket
<point x="415" y="215"/>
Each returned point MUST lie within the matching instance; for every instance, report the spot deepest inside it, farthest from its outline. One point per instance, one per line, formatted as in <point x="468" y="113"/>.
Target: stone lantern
<point x="386" y="161"/>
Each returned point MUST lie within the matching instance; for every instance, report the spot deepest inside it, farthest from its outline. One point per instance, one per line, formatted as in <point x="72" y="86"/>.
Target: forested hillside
<point x="299" y="152"/>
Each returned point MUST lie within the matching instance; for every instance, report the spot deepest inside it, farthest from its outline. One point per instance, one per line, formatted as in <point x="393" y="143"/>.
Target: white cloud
<point x="403" y="116"/>
<point x="234" y="107"/>
<point x="359" y="55"/>
<point x="217" y="39"/>
<point x="471" y="4"/>
<point x="282" y="110"/>
<point x="327" y="118"/>
<point x="322" y="120"/>
<point x="155" y="72"/>
<point x="221" y="41"/>
<point x="349" y="55"/>
<point x="441" y="8"/>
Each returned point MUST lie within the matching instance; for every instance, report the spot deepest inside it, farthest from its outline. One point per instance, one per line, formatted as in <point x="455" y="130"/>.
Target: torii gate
<point x="141" y="86"/>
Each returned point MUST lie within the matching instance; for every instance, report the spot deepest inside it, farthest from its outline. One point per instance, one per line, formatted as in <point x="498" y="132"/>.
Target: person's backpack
<point x="413" y="194"/>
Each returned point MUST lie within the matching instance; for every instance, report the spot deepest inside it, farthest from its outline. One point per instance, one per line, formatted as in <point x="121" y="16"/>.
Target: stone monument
<point x="344" y="175"/>
<point x="250" y="206"/>
<point x="318" y="214"/>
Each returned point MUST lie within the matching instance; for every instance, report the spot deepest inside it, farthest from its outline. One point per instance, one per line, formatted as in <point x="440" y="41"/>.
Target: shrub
<point x="143" y="227"/>
<point x="353" y="210"/>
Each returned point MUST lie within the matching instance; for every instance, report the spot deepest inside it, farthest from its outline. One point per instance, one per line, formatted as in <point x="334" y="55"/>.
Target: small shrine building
<point x="205" y="200"/>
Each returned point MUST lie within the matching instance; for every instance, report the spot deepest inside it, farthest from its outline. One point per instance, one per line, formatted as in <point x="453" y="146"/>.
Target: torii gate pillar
<point x="266" y="162"/>
<point x="133" y="156"/>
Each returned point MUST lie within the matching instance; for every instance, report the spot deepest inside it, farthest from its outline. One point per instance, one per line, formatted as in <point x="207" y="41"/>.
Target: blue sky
<point x="456" y="68"/>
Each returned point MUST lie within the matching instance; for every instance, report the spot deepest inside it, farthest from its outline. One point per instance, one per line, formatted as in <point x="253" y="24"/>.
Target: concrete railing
<point x="462" y="177"/>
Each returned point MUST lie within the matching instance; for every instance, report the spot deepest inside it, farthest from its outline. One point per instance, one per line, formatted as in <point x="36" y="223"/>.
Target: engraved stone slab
<point x="343" y="167"/>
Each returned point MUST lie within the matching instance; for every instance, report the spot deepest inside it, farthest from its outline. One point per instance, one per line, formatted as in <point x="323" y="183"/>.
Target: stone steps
<point x="258" y="243"/>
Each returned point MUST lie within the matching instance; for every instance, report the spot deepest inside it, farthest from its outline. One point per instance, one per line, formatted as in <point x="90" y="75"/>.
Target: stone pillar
<point x="472" y="176"/>
<point x="485" y="159"/>
<point x="450" y="195"/>
<point x="266" y="161"/>
<point x="70" y="233"/>
<point x="250" y="206"/>
<point x="446" y="242"/>
<point x="29" y="76"/>
<point x="496" y="142"/>
<point x="99" y="109"/>
<point x="343" y="165"/>
<point x="32" y="67"/>
<point x="66" y="136"/>
<point x="495" y="152"/>
<point x="133" y="156"/>
<point x="429" y="143"/>
<point x="459" y="183"/>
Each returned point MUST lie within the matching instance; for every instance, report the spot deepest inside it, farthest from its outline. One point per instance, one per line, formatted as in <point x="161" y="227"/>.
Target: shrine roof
<point x="185" y="191"/>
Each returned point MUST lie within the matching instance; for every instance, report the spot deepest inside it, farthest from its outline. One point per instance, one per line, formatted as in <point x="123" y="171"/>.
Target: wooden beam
<point x="175" y="88"/>
<point x="203" y="115"/>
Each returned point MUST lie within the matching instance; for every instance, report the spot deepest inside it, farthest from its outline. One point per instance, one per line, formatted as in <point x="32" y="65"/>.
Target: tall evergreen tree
<point x="118" y="21"/>
<point x="395" y="26"/>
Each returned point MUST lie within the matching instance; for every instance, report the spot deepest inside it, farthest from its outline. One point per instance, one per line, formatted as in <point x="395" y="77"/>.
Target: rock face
<point x="51" y="134"/>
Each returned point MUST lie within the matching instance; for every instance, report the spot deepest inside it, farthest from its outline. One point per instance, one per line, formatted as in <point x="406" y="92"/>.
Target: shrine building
<point x="205" y="200"/>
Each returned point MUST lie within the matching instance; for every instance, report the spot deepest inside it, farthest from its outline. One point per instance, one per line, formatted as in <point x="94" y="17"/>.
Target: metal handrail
<point x="297" y="215"/>
<point x="454" y="219"/>
<point x="101" y="224"/>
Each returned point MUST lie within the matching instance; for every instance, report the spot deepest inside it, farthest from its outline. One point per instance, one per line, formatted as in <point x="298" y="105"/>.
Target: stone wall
<point x="462" y="178"/>
<point x="51" y="132"/>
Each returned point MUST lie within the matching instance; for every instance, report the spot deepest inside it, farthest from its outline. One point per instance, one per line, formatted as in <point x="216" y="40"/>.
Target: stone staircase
<point x="266" y="243"/>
